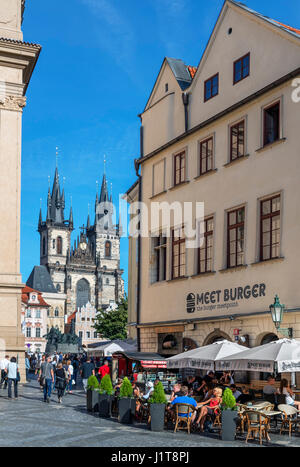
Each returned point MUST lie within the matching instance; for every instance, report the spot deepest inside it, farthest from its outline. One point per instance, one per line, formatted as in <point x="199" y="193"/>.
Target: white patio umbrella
<point x="282" y="356"/>
<point x="204" y="358"/>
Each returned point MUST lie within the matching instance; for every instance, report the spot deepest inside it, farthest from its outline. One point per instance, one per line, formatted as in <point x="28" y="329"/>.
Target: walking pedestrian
<point x="61" y="381"/>
<point x="38" y="369"/>
<point x="87" y="370"/>
<point x="47" y="375"/>
<point x="12" y="377"/>
<point x="27" y="367"/>
<point x="75" y="364"/>
<point x="70" y="374"/>
<point x="3" y="365"/>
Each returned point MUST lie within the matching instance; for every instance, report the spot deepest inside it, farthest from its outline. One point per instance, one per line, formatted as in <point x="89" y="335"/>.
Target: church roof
<point x="40" y="280"/>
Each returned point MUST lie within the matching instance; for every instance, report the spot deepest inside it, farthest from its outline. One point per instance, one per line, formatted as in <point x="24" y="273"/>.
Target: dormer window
<point x="166" y="87"/>
<point x="211" y="87"/>
<point x="241" y="68"/>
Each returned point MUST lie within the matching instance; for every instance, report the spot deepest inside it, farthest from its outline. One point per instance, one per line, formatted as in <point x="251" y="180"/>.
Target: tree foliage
<point x="158" y="396"/>
<point x="106" y="386"/>
<point x="113" y="324"/>
<point x="126" y="388"/>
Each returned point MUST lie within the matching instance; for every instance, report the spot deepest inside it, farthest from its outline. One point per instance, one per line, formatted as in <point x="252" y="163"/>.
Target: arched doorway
<point x="269" y="338"/>
<point x="82" y="293"/>
<point x="216" y="336"/>
<point x="188" y="344"/>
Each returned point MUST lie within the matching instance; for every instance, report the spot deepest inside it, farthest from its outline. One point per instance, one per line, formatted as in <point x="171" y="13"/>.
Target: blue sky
<point x="99" y="61"/>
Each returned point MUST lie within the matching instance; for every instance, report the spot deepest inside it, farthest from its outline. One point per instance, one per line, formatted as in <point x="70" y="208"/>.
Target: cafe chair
<point x="184" y="413"/>
<point x="258" y="423"/>
<point x="217" y="418"/>
<point x="289" y="418"/>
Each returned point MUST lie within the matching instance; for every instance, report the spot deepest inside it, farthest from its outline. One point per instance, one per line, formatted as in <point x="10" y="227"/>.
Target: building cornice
<point x="213" y="318"/>
<point x="223" y="113"/>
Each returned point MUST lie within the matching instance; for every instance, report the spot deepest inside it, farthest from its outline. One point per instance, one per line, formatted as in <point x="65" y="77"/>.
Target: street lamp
<point x="277" y="310"/>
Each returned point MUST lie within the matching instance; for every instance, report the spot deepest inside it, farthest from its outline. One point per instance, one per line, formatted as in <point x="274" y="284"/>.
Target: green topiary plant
<point x="158" y="396"/>
<point x="228" y="400"/>
<point x="93" y="383"/>
<point x="106" y="386"/>
<point x="126" y="388"/>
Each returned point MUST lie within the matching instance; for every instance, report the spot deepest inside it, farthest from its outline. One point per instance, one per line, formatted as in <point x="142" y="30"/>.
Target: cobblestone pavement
<point x="28" y="421"/>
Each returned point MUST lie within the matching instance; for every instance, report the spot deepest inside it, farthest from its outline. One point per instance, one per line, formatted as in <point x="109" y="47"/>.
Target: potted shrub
<point x="126" y="402"/>
<point x="229" y="416"/>
<point x="92" y="394"/>
<point x="158" y="402"/>
<point x="106" y="392"/>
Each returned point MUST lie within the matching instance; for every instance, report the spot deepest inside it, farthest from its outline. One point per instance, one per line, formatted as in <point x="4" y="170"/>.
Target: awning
<point x="147" y="360"/>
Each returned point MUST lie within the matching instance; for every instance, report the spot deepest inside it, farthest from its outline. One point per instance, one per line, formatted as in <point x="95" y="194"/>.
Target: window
<point x="211" y="87"/>
<point x="270" y="228"/>
<point x="107" y="249"/>
<point x="48" y="313"/>
<point x="205" y="251"/>
<point x="95" y="335"/>
<point x="235" y="235"/>
<point x="159" y="266"/>
<point x="38" y="313"/>
<point x="88" y="334"/>
<point x="271" y="123"/>
<point x="179" y="168"/>
<point x="237" y="141"/>
<point x="241" y="68"/>
<point x="38" y="332"/>
<point x="166" y="87"/>
<point x="44" y="246"/>
<point x="80" y="334"/>
<point x="28" y="314"/>
<point x="58" y="287"/>
<point x="206" y="155"/>
<point x="53" y="244"/>
<point x="59" y="246"/>
<point x="28" y="332"/>
<point x="56" y="312"/>
<point x="178" y="253"/>
<point x="107" y="281"/>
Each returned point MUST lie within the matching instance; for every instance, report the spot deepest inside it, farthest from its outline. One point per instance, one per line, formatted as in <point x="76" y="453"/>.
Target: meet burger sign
<point x="223" y="299"/>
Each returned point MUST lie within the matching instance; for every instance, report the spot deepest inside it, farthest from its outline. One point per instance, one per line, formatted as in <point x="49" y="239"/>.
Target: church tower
<point x="104" y="238"/>
<point x="55" y="235"/>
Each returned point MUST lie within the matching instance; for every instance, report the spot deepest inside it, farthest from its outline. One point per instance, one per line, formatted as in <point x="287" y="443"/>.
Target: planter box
<point x="104" y="403"/>
<point x="157" y="412"/>
<point x="126" y="410"/>
<point x="229" y="419"/>
<point x="92" y="402"/>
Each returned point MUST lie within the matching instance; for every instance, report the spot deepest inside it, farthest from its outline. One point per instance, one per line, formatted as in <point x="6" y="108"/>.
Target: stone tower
<point x="104" y="237"/>
<point x="55" y="235"/>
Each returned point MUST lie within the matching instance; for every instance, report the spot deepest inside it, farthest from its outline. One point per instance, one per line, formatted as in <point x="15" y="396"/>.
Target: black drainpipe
<point x="139" y="272"/>
<point x="185" y="100"/>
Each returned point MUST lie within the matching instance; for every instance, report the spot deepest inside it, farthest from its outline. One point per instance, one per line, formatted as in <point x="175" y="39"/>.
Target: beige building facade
<point x="226" y="135"/>
<point x="17" y="62"/>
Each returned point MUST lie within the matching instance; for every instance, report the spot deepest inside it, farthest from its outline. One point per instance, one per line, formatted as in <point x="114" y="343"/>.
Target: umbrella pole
<point x="275" y="370"/>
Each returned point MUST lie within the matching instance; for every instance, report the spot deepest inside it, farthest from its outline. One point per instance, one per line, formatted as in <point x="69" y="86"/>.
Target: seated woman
<point x="288" y="393"/>
<point x="209" y="407"/>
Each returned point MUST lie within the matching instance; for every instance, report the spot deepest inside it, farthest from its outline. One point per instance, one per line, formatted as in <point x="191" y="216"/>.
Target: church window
<point x="107" y="249"/>
<point x="53" y="243"/>
<point x="44" y="246"/>
<point x="82" y="293"/>
<point x="59" y="246"/>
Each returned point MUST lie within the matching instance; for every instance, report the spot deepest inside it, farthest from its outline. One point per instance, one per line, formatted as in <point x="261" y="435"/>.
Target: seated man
<point x="236" y="393"/>
<point x="245" y="397"/>
<point x="270" y="388"/>
<point x="185" y="399"/>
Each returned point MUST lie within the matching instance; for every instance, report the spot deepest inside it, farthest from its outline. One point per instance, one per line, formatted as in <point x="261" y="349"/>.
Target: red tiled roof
<point x="192" y="70"/>
<point x="72" y="316"/>
<point x="297" y="31"/>
<point x="25" y="297"/>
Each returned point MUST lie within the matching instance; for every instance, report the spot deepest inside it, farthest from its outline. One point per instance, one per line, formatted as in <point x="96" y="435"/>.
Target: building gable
<point x="240" y="31"/>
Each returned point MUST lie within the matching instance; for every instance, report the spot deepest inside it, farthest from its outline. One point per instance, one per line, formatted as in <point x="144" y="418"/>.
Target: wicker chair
<point x="257" y="423"/>
<point x="184" y="413"/>
<point x="289" y="418"/>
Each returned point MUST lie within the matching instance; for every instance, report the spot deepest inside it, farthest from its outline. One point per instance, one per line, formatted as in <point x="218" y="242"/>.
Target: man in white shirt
<point x="3" y="366"/>
<point x="270" y="388"/>
<point x="236" y="393"/>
